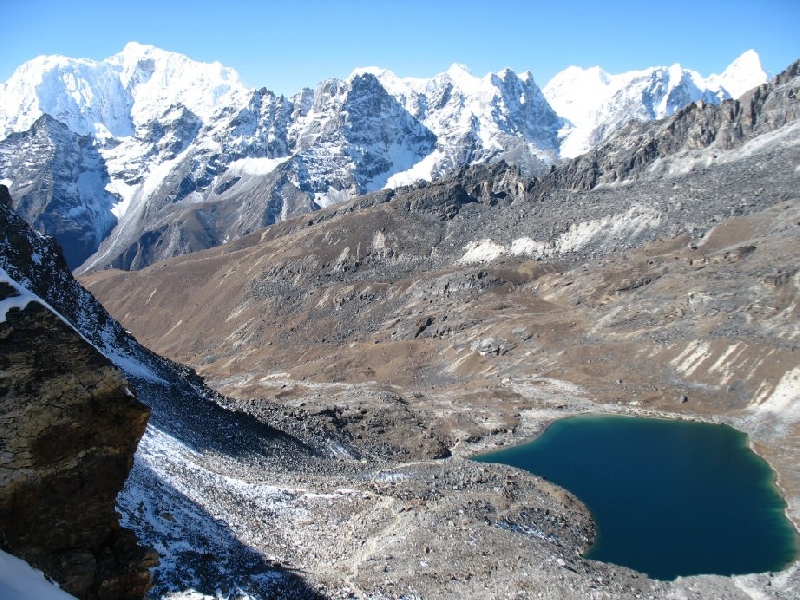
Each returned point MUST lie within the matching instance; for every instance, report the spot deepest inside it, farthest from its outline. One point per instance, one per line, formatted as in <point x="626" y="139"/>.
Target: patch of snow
<point x="20" y="581"/>
<point x="130" y="365"/>
<point x="629" y="225"/>
<point x="784" y="399"/>
<point x="256" y="166"/>
<point x="390" y="477"/>
<point x="725" y="362"/>
<point x="329" y="198"/>
<point x="421" y="171"/>
<point x="20" y="301"/>
<point x="689" y="360"/>
<point x="24" y="297"/>
<point x="694" y="352"/>
<point x="133" y="367"/>
<point x="378" y="241"/>
<point x="481" y="251"/>
<point x="626" y="226"/>
<point x="525" y="246"/>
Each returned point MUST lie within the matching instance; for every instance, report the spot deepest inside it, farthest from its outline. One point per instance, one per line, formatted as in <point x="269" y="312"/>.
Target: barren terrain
<point x="436" y="322"/>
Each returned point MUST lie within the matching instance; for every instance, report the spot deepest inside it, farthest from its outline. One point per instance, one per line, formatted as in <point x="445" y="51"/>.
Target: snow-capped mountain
<point x="115" y="96"/>
<point x="149" y="154"/>
<point x="62" y="182"/>
<point x="595" y="103"/>
<point x="500" y="116"/>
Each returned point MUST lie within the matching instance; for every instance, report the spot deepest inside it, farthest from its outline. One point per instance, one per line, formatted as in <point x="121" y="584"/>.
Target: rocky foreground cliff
<point x="71" y="423"/>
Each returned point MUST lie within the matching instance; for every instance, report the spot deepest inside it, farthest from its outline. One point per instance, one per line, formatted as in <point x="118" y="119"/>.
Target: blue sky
<point x="285" y="45"/>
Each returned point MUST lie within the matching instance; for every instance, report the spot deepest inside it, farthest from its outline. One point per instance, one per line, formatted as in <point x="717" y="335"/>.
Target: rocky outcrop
<point x="5" y="197"/>
<point x="71" y="424"/>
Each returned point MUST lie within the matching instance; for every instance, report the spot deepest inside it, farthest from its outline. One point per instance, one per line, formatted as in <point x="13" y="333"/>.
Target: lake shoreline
<point x="622" y="464"/>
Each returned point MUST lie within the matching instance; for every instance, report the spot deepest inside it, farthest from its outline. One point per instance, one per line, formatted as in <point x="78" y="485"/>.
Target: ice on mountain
<point x="596" y="104"/>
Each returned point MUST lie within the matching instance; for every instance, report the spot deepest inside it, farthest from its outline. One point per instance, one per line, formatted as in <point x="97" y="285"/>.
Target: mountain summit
<point x="149" y="154"/>
<point x="595" y="103"/>
<point x="114" y="96"/>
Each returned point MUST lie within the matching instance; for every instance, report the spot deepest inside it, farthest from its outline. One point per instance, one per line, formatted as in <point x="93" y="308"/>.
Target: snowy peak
<point x="743" y="74"/>
<point x="460" y="75"/>
<point x="108" y="98"/>
<point x="563" y="91"/>
<point x="157" y="79"/>
<point x="474" y="119"/>
<point x="80" y="93"/>
<point x="596" y="104"/>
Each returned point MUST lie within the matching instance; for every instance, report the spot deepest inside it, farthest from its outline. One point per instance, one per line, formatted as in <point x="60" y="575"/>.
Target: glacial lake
<point x="669" y="498"/>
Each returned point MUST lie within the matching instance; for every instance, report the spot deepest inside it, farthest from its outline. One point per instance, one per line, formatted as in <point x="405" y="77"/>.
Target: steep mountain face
<point x="159" y="155"/>
<point x="502" y="116"/>
<point x="60" y="186"/>
<point x="71" y="425"/>
<point x="596" y="104"/>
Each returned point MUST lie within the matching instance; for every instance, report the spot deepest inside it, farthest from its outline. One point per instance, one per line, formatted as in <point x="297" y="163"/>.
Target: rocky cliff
<point x="71" y="423"/>
<point x="61" y="191"/>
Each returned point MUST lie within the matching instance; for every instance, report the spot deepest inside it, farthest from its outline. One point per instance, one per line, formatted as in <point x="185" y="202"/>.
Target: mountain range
<point x="149" y="154"/>
<point x="655" y="275"/>
<point x="367" y="350"/>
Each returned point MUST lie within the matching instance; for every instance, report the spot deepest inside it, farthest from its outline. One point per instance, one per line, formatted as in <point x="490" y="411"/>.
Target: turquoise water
<point x="669" y="498"/>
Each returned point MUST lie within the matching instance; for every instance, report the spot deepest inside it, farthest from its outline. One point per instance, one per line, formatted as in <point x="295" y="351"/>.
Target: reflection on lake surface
<point x="669" y="498"/>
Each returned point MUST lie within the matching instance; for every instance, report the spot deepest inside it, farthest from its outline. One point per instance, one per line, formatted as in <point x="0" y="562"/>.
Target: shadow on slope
<point x="198" y="551"/>
<point x="205" y="426"/>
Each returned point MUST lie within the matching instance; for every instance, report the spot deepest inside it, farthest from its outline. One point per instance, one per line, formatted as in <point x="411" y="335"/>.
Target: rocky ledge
<point x="71" y="424"/>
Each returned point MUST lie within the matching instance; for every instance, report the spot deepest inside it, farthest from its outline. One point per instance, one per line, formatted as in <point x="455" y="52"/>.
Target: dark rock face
<point x="71" y="428"/>
<point x="60" y="186"/>
<point x="71" y="425"/>
<point x="5" y="197"/>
